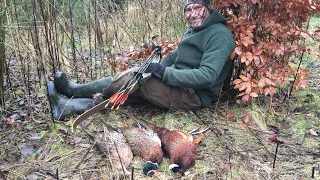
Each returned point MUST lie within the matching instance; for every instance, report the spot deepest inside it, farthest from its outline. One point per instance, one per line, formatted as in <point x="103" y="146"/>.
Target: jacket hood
<point x="214" y="18"/>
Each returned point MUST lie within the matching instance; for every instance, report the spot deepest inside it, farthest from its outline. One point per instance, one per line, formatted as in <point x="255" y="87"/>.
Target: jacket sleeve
<point x="169" y="60"/>
<point x="216" y="52"/>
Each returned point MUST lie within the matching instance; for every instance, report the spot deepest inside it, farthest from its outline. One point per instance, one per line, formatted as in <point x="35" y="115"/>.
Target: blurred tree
<point x="2" y="51"/>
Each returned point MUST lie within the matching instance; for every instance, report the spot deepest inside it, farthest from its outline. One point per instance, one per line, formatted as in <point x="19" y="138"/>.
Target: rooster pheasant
<point x="179" y="146"/>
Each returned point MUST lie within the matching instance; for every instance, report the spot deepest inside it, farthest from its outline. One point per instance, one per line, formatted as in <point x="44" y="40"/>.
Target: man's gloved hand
<point x="139" y="78"/>
<point x="157" y="69"/>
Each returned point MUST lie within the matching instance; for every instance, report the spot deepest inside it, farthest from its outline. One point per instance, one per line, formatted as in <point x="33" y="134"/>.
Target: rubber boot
<point x="87" y="90"/>
<point x="63" y="107"/>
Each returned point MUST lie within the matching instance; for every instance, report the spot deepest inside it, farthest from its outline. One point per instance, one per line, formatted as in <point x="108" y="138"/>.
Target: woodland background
<point x="276" y="54"/>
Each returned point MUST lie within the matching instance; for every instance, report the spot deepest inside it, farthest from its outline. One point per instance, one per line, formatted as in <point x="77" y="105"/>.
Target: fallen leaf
<point x="272" y="138"/>
<point x="305" y="35"/>
<point x="25" y="116"/>
<point x="78" y="140"/>
<point x="15" y="117"/>
<point x="62" y="131"/>
<point x="229" y="116"/>
<point x="246" y="118"/>
<point x="313" y="132"/>
<point x="11" y="121"/>
<point x="224" y="167"/>
<point x="27" y="149"/>
<point x="32" y="177"/>
<point x="243" y="126"/>
<point x="35" y="156"/>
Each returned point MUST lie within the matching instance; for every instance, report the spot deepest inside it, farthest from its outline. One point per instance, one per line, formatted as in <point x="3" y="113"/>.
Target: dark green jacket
<point x="201" y="59"/>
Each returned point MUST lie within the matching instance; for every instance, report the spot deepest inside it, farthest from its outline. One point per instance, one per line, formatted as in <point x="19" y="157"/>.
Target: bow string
<point x="121" y="96"/>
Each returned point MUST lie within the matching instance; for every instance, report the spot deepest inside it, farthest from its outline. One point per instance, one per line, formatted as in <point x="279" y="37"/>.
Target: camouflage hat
<point x="206" y="3"/>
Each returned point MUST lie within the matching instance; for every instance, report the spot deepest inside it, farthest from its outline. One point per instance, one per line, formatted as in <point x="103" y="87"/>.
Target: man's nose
<point x="193" y="13"/>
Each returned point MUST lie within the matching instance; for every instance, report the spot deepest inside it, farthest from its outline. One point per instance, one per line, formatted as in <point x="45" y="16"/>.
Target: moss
<point x="164" y="165"/>
<point x="300" y="124"/>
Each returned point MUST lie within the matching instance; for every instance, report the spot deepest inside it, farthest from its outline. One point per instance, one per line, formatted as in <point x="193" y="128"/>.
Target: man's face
<point x="196" y="14"/>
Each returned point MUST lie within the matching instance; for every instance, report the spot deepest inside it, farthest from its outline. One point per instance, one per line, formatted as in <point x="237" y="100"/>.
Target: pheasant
<point x="179" y="146"/>
<point x="115" y="143"/>
<point x="145" y="144"/>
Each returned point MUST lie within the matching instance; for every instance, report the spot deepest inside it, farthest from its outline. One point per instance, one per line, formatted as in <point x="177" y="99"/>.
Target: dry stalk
<point x="85" y="155"/>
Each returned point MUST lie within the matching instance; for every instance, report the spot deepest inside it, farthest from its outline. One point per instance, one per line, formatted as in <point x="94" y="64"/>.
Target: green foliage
<point x="316" y="15"/>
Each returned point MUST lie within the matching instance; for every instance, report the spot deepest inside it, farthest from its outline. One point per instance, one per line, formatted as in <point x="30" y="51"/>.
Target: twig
<point x="199" y="130"/>
<point x="229" y="157"/>
<point x="299" y="66"/>
<point x="198" y="119"/>
<point x="54" y="174"/>
<point x="85" y="168"/>
<point x="313" y="171"/>
<point x="2" y="175"/>
<point x="120" y="160"/>
<point x="215" y="109"/>
<point x="265" y="148"/>
<point x="142" y="122"/>
<point x="295" y="168"/>
<point x="275" y="156"/>
<point x="254" y="129"/>
<point x="57" y="174"/>
<point x="262" y="131"/>
<point x="194" y="130"/>
<point x="64" y="108"/>
<point x="302" y="142"/>
<point x="132" y="172"/>
<point x="82" y="159"/>
<point x="236" y="152"/>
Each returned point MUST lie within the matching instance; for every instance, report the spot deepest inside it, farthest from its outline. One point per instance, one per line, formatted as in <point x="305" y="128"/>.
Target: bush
<point x="269" y="36"/>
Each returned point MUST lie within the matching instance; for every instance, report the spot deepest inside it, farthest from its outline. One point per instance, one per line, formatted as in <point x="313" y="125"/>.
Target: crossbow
<point x="120" y="97"/>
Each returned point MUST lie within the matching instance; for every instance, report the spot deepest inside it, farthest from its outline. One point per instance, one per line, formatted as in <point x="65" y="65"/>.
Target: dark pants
<point x="156" y="92"/>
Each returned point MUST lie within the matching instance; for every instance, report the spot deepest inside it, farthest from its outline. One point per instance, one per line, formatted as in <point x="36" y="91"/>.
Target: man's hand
<point x="157" y="69"/>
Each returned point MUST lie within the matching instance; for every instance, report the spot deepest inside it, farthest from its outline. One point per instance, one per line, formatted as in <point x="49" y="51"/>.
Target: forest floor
<point x="37" y="148"/>
<point x="32" y="146"/>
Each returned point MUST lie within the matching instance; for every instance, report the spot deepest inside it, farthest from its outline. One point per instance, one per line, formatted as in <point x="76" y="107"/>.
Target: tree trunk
<point x="2" y="52"/>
